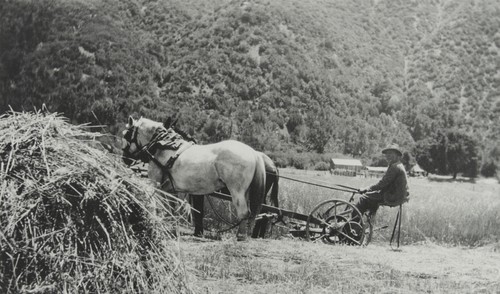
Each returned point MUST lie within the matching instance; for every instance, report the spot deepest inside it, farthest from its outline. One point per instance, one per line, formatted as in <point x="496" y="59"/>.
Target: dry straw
<point x="73" y="219"/>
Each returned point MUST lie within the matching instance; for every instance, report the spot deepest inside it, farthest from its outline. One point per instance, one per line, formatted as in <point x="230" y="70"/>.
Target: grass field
<point x="451" y="233"/>
<point x="293" y="266"/>
<point x="441" y="211"/>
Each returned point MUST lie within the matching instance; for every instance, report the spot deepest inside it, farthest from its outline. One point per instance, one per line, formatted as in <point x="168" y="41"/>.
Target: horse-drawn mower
<point x="333" y="221"/>
<point x="182" y="166"/>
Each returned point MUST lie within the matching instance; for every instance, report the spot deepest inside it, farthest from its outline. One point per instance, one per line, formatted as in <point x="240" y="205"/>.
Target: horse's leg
<point x="247" y="184"/>
<point x="241" y="205"/>
<point x="256" y="194"/>
<point x="198" y="214"/>
<point x="271" y="189"/>
<point x="237" y="185"/>
<point x="259" y="230"/>
<point x="254" y="211"/>
<point x="242" y="211"/>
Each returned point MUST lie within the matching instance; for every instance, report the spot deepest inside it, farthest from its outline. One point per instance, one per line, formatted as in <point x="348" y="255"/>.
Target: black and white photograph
<point x="258" y="146"/>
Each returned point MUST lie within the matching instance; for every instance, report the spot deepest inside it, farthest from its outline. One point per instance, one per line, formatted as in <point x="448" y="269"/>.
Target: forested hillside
<point x="284" y="76"/>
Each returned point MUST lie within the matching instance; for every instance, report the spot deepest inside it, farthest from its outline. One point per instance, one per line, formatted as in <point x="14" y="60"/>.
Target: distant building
<point x="346" y="167"/>
<point x="417" y="171"/>
<point x="376" y="171"/>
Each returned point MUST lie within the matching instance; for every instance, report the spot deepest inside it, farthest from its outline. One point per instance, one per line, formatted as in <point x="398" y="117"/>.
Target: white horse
<point x="180" y="166"/>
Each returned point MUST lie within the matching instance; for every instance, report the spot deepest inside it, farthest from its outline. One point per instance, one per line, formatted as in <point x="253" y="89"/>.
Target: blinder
<point x="143" y="153"/>
<point x="129" y="138"/>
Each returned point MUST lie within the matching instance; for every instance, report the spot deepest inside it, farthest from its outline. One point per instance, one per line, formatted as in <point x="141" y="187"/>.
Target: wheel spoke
<point x="346" y="212"/>
<point x="328" y="225"/>
<point x="319" y="237"/>
<point x="328" y="220"/>
<point x="316" y="230"/>
<point x="349" y="237"/>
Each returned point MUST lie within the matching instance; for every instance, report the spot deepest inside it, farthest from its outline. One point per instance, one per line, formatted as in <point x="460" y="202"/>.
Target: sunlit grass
<point x="438" y="212"/>
<point x="456" y="213"/>
<point x="445" y="212"/>
<point x="293" y="266"/>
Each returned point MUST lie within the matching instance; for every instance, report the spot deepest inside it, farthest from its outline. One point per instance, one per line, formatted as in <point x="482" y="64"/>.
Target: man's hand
<point x="363" y="190"/>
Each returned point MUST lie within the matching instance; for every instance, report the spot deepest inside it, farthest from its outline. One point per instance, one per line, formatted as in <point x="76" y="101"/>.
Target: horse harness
<point x="163" y="139"/>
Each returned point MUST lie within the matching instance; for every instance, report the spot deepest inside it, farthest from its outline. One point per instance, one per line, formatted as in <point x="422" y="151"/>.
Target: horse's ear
<point x="130" y="121"/>
<point x="168" y="123"/>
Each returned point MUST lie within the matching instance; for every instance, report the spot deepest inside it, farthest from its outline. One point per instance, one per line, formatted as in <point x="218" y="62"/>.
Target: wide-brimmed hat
<point x="393" y="147"/>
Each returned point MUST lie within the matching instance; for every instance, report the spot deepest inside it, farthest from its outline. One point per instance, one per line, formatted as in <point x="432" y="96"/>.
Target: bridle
<point x="142" y="153"/>
<point x="145" y="153"/>
<point x="130" y="137"/>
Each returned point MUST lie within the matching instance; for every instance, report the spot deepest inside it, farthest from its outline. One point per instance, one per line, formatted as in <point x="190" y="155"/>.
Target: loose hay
<point x="75" y="220"/>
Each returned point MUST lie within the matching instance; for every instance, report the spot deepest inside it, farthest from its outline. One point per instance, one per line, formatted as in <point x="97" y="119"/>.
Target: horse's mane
<point x="184" y="135"/>
<point x="170" y="123"/>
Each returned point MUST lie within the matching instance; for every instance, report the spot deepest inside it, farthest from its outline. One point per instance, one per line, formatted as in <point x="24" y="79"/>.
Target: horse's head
<point x="136" y="137"/>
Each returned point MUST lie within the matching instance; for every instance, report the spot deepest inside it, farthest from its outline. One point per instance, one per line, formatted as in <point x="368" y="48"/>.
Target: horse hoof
<point x="241" y="238"/>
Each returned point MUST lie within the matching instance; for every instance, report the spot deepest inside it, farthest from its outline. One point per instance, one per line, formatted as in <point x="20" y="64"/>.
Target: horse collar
<point x="162" y="139"/>
<point x="171" y="160"/>
<point x="166" y="140"/>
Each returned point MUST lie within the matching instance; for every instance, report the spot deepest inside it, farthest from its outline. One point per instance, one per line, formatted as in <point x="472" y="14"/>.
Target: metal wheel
<point x="338" y="222"/>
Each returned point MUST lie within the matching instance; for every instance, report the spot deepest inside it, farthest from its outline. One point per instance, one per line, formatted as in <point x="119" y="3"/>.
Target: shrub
<point x="322" y="166"/>
<point x="300" y="161"/>
<point x="280" y="159"/>
<point x="489" y="169"/>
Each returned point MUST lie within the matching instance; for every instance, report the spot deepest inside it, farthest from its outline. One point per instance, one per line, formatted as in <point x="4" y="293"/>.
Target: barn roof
<point x="377" y="168"/>
<point x="417" y="168"/>
<point x="349" y="162"/>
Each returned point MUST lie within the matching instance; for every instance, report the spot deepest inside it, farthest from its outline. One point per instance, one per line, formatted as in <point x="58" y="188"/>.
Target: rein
<point x="223" y="219"/>
<point x="342" y="188"/>
<point x="146" y="153"/>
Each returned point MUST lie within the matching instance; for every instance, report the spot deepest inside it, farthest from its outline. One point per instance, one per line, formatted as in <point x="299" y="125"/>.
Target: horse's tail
<point x="274" y="190"/>
<point x="257" y="189"/>
<point x="272" y="178"/>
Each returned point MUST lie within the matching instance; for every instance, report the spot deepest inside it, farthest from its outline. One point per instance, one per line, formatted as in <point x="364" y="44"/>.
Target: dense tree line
<point x="292" y="78"/>
<point x="449" y="152"/>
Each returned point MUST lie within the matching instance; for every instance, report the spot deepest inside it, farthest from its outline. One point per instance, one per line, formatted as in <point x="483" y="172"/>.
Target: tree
<point x="379" y="160"/>
<point x="216" y="129"/>
<point x="320" y="122"/>
<point x="318" y="136"/>
<point x="294" y="123"/>
<point x="408" y="161"/>
<point x="382" y="91"/>
<point x="491" y="162"/>
<point x="449" y="152"/>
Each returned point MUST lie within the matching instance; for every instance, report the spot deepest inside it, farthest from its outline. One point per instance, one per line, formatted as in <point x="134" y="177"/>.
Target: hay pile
<point x="73" y="219"/>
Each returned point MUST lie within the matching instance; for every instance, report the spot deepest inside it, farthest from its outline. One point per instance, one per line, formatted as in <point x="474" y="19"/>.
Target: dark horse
<point x="198" y="201"/>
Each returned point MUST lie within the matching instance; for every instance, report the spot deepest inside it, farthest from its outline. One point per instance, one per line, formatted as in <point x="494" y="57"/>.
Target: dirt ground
<point x="296" y="266"/>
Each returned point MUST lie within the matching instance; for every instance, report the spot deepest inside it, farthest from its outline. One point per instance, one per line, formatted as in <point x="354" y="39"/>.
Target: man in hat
<point x="391" y="190"/>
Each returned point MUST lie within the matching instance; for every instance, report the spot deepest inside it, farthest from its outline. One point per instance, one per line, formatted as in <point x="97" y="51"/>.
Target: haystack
<point x="73" y="219"/>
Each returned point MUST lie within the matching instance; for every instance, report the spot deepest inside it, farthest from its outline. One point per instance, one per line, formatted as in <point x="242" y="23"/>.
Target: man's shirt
<point x="394" y="185"/>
